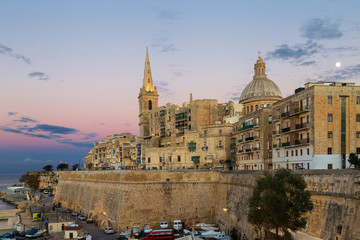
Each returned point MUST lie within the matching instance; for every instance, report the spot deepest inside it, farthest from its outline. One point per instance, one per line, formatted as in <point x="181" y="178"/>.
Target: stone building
<point x="191" y="135"/>
<point x="317" y="127"/>
<point x="251" y="134"/>
<point x="113" y="152"/>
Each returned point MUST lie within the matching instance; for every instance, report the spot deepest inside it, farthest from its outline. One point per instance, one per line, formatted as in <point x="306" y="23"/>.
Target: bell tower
<point x="148" y="99"/>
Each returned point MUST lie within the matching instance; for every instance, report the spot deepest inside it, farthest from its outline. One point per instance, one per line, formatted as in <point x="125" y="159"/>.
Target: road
<point x="94" y="231"/>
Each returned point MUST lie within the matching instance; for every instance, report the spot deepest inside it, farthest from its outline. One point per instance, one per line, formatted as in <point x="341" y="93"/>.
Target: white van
<point x="177" y="225"/>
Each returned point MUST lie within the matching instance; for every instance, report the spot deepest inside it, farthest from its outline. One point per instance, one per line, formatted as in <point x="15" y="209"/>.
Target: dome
<point x="260" y="89"/>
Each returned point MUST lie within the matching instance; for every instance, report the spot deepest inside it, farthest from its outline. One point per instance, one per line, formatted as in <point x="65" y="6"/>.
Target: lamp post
<point x="225" y="210"/>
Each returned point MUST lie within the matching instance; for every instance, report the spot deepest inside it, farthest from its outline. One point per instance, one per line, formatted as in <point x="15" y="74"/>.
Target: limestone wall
<point x="131" y="198"/>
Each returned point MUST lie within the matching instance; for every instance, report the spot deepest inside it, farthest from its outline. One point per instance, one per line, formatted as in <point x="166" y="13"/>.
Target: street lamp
<point x="227" y="223"/>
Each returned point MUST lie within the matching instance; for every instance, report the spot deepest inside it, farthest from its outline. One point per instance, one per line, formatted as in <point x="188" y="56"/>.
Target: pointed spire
<point x="259" y="67"/>
<point x="147" y="82"/>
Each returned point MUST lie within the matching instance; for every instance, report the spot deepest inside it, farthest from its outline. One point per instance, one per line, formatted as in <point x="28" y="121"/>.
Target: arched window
<point x="252" y="108"/>
<point x="150" y="105"/>
<point x="247" y="109"/>
<point x="256" y="107"/>
<point x="262" y="105"/>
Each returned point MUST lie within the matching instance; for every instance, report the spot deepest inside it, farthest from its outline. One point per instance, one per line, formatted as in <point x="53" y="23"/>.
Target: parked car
<point x="74" y="214"/>
<point x="300" y="168"/>
<point x="147" y="230"/>
<point x="177" y="225"/>
<point x="109" y="230"/>
<point x="45" y="191"/>
<point x="67" y="210"/>
<point x="89" y="220"/>
<point x="164" y="225"/>
<point x="81" y="217"/>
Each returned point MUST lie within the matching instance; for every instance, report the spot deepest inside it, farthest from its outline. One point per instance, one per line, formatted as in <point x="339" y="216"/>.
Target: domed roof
<point x="260" y="88"/>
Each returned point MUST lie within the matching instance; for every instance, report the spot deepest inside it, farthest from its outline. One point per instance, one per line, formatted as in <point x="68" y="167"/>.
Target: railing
<point x="248" y="150"/>
<point x="285" y="130"/>
<point x="285" y="114"/>
<point x="276" y="132"/>
<point x="285" y="144"/>
<point x="256" y="149"/>
<point x="240" y="141"/>
<point x="249" y="138"/>
<point x="301" y="125"/>
<point x="247" y="127"/>
<point x="276" y="145"/>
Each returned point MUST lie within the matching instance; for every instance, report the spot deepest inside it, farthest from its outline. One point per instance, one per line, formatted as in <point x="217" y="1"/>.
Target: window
<point x="287" y="153"/>
<point x="160" y="159"/>
<point x="308" y="151"/>
<point x="256" y="107"/>
<point x="330" y="135"/>
<point x="189" y="127"/>
<point x="150" y="105"/>
<point x="296" y="152"/>
<point x="179" y="158"/>
<point x="170" y="158"/>
<point x="357" y="99"/>
<point x="329" y="150"/>
<point x="300" y="152"/>
<point x="149" y="160"/>
<point x="252" y="108"/>
<point x="358" y="117"/>
<point x="292" y="153"/>
<point x="189" y="118"/>
<point x="330" y="117"/>
<point x="357" y="150"/>
<point x="220" y="132"/>
<point x="329" y="99"/>
<point x="357" y="134"/>
<point x="247" y="109"/>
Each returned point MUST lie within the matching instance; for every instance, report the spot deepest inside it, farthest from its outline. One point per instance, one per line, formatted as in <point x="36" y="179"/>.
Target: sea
<point x="5" y="181"/>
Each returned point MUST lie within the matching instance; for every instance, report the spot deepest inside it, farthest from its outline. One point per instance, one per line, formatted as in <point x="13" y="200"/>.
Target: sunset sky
<point x="71" y="70"/>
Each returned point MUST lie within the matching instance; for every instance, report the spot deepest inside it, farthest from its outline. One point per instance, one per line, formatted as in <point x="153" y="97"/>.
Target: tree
<point x="354" y="160"/>
<point x="62" y="167"/>
<point x="279" y="202"/>
<point x="75" y="166"/>
<point x="31" y="180"/>
<point x="48" y="168"/>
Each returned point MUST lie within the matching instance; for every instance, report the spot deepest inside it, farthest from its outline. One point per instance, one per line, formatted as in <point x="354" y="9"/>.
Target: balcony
<point x="276" y="145"/>
<point x="232" y="144"/>
<point x="162" y="127"/>
<point x="248" y="150"/>
<point x="180" y="116"/>
<point x="247" y="127"/>
<point x="240" y="141"/>
<point x="195" y="159"/>
<point x="162" y="113"/>
<point x="301" y="125"/>
<point x="249" y="138"/>
<point x="284" y="130"/>
<point x="241" y="151"/>
<point x="285" y="114"/>
<point x="285" y="144"/>
<point x="192" y="146"/>
<point x="256" y="149"/>
<point x="276" y="132"/>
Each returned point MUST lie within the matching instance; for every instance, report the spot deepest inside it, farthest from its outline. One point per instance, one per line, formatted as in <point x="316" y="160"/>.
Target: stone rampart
<point x="126" y="198"/>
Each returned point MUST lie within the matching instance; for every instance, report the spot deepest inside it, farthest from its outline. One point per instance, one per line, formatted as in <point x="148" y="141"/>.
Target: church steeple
<point x="259" y="68"/>
<point x="148" y="85"/>
<point x="148" y="99"/>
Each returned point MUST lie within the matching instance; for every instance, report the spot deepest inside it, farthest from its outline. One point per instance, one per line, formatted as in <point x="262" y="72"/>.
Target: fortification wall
<point x="146" y="197"/>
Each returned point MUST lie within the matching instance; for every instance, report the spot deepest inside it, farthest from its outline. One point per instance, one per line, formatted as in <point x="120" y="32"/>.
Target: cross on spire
<point x="259" y="54"/>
